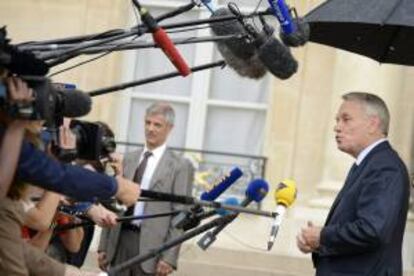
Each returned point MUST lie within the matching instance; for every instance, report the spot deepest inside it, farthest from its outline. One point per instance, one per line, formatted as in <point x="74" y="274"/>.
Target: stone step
<point x="191" y="268"/>
<point x="223" y="262"/>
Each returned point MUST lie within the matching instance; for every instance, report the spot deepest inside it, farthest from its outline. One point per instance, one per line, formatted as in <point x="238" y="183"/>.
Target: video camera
<point x="50" y="104"/>
<point x="94" y="141"/>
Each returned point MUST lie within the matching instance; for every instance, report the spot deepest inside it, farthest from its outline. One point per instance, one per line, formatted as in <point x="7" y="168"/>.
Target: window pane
<point x="136" y="123"/>
<point x="234" y="130"/>
<point x="153" y="62"/>
<point x="226" y="84"/>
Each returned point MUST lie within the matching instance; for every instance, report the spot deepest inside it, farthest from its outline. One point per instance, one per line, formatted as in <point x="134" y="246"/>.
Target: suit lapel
<point x="131" y="164"/>
<point x="350" y="181"/>
<point x="161" y="171"/>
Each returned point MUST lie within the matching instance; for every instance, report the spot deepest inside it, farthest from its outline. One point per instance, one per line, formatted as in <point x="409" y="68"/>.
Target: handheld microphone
<point x="256" y="191"/>
<point x="285" y="194"/>
<point x="161" y="38"/>
<point x="223" y="185"/>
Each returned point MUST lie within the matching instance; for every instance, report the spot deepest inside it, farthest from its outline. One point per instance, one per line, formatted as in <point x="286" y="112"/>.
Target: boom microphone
<point x="275" y="56"/>
<point x="238" y="53"/>
<point x="300" y="36"/>
<point x="285" y="195"/>
<point x="256" y="191"/>
<point x="161" y="38"/>
<point x="73" y="103"/>
<point x="295" y="31"/>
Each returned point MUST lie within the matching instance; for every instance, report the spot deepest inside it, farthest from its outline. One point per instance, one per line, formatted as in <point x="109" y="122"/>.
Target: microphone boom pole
<point x="154" y="252"/>
<point x="121" y="219"/>
<point x="212" y="204"/>
<point x="122" y="86"/>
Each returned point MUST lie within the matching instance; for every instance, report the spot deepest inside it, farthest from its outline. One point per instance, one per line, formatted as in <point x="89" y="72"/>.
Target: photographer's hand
<point x="67" y="139"/>
<point x="128" y="192"/>
<point x="116" y="162"/>
<point x="18" y="91"/>
<point x="102" y="216"/>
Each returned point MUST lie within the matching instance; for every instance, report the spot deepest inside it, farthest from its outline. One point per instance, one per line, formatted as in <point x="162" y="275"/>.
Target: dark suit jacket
<point x="174" y="175"/>
<point x="364" y="230"/>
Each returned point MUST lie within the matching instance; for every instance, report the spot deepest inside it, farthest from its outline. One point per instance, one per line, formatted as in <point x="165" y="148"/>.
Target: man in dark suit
<point x="364" y="230"/>
<point x="159" y="169"/>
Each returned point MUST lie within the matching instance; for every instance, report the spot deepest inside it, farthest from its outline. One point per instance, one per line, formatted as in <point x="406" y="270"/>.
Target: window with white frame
<point x="216" y="109"/>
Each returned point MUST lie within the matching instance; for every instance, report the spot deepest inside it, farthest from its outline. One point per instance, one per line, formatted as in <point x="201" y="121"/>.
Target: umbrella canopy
<point x="380" y="29"/>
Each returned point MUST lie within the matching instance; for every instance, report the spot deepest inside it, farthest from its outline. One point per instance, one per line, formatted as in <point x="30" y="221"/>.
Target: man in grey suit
<point x="158" y="169"/>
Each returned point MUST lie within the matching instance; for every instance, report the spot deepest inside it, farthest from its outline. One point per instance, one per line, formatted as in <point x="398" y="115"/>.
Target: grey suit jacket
<point x="173" y="174"/>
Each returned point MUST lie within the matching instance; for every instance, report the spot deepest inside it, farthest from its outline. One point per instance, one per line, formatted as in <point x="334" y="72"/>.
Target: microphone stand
<point x="126" y="85"/>
<point x="154" y="252"/>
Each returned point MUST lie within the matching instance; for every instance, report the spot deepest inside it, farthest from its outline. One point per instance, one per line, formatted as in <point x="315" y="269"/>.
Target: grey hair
<point x="162" y="108"/>
<point x="374" y="105"/>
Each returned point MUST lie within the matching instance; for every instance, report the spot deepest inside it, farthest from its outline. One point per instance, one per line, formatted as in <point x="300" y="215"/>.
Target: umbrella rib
<point x="396" y="5"/>
<point x="390" y="42"/>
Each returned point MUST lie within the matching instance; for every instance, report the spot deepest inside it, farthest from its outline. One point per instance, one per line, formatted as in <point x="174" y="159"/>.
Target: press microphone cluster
<point x="285" y="194"/>
<point x="193" y="217"/>
<point x="252" y="53"/>
<point x="256" y="191"/>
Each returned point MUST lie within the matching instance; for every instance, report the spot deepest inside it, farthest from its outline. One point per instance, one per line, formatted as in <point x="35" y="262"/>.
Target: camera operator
<point x="18" y="257"/>
<point x="11" y="137"/>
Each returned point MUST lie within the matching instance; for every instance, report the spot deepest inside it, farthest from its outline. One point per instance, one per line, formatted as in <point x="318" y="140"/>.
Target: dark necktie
<point x="138" y="177"/>
<point x="141" y="168"/>
<point x="351" y="174"/>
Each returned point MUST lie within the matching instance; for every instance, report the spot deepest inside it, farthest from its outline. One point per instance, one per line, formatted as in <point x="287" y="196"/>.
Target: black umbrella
<point x="380" y="29"/>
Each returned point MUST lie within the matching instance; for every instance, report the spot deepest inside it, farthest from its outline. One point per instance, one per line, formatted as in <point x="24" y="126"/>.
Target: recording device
<point x="50" y="103"/>
<point x="285" y="194"/>
<point x="93" y="142"/>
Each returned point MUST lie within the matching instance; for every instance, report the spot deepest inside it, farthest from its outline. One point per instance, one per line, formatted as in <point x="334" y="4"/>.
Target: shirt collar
<point x="157" y="152"/>
<point x="367" y="150"/>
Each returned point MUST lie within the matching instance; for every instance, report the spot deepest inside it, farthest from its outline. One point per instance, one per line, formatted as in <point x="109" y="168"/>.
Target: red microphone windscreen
<point x="164" y="42"/>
